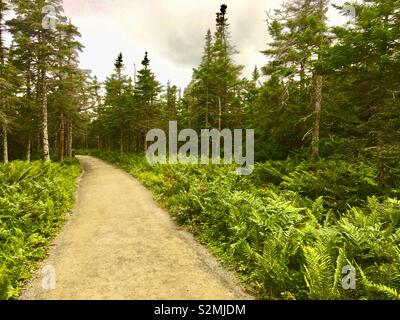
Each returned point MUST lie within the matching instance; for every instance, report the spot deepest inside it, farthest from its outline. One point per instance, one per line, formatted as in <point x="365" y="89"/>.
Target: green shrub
<point x="340" y="183"/>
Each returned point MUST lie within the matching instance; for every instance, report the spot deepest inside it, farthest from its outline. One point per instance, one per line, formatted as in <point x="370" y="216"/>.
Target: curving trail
<point x="119" y="244"/>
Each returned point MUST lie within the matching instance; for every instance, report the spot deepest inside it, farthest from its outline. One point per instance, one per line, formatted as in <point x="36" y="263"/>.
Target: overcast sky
<point x="172" y="31"/>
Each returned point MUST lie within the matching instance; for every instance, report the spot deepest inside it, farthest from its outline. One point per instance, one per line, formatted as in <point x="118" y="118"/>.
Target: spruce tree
<point x="40" y="40"/>
<point x="204" y="80"/>
<point x="171" y="102"/>
<point x="118" y="98"/>
<point x="5" y="85"/>
<point x="147" y="90"/>
<point x="299" y="32"/>
<point x="225" y="72"/>
<point x="215" y="83"/>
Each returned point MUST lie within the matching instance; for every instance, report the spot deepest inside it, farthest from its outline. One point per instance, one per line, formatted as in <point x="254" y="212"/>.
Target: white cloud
<point x="172" y="31"/>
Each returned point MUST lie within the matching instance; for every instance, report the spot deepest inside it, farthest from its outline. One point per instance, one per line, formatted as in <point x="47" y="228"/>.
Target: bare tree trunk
<point x="318" y="97"/>
<point x="55" y="144"/>
<point x="2" y="61"/>
<point x="61" y="140"/>
<point x="45" y="129"/>
<point x="207" y="102"/>
<point x="2" y="58"/>
<point x="28" y="150"/>
<point x="70" y="140"/>
<point x="317" y="122"/>
<point x="219" y="114"/>
<point x="134" y="74"/>
<point x="5" y="142"/>
<point x="39" y="142"/>
<point x="146" y="130"/>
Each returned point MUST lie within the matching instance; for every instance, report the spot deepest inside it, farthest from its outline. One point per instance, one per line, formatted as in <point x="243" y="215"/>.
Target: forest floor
<point x="119" y="244"/>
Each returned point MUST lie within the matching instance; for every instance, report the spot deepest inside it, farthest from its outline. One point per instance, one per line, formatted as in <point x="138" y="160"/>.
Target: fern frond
<point x="391" y="293"/>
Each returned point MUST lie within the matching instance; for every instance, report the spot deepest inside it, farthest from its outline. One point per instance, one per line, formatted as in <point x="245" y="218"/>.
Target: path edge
<point x="27" y="287"/>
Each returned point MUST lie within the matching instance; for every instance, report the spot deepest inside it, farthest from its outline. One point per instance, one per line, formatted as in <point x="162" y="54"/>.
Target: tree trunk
<point x="55" y="144"/>
<point x="70" y="140"/>
<point x="39" y="142"/>
<point x="317" y="122"/>
<point x="219" y="114"/>
<point x="207" y="102"/>
<point x="2" y="54"/>
<point x="318" y="96"/>
<point x="5" y="142"/>
<point x="2" y="60"/>
<point x="45" y="129"/>
<point x="28" y="150"/>
<point x="61" y="140"/>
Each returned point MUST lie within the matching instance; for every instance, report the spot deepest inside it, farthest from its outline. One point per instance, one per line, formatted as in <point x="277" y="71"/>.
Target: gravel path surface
<point x="118" y="244"/>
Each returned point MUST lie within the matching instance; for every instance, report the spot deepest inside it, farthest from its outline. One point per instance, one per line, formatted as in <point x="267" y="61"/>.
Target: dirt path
<point x="119" y="244"/>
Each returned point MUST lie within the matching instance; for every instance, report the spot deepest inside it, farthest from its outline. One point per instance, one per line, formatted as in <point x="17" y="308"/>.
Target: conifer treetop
<point x="221" y="15"/>
<point x="119" y="62"/>
<point x="146" y="61"/>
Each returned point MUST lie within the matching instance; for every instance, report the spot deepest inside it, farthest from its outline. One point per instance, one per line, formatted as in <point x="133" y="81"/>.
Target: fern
<point x="391" y="293"/>
<point x="33" y="200"/>
<point x="290" y="227"/>
<point x="319" y="273"/>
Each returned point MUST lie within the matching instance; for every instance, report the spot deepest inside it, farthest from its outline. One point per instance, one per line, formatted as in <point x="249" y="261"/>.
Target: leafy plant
<point x="33" y="199"/>
<point x="288" y="236"/>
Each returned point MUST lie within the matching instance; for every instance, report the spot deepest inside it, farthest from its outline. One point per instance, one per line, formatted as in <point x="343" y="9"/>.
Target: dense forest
<point x="328" y="91"/>
<point x="325" y="108"/>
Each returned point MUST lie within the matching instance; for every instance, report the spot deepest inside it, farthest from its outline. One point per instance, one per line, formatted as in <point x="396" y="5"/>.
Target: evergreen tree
<point x="362" y="68"/>
<point x="5" y="85"/>
<point x="319" y="40"/>
<point x="67" y="83"/>
<point x="299" y="31"/>
<point x="225" y="72"/>
<point x="255" y="76"/>
<point x="41" y="41"/>
<point x="118" y="98"/>
<point x="204" y="86"/>
<point x="44" y="60"/>
<point x="171" y="102"/>
<point x="216" y="84"/>
<point x="146" y="93"/>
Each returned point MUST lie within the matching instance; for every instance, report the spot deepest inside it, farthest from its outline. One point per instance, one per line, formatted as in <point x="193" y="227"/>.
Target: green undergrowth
<point x="34" y="198"/>
<point x="291" y="227"/>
